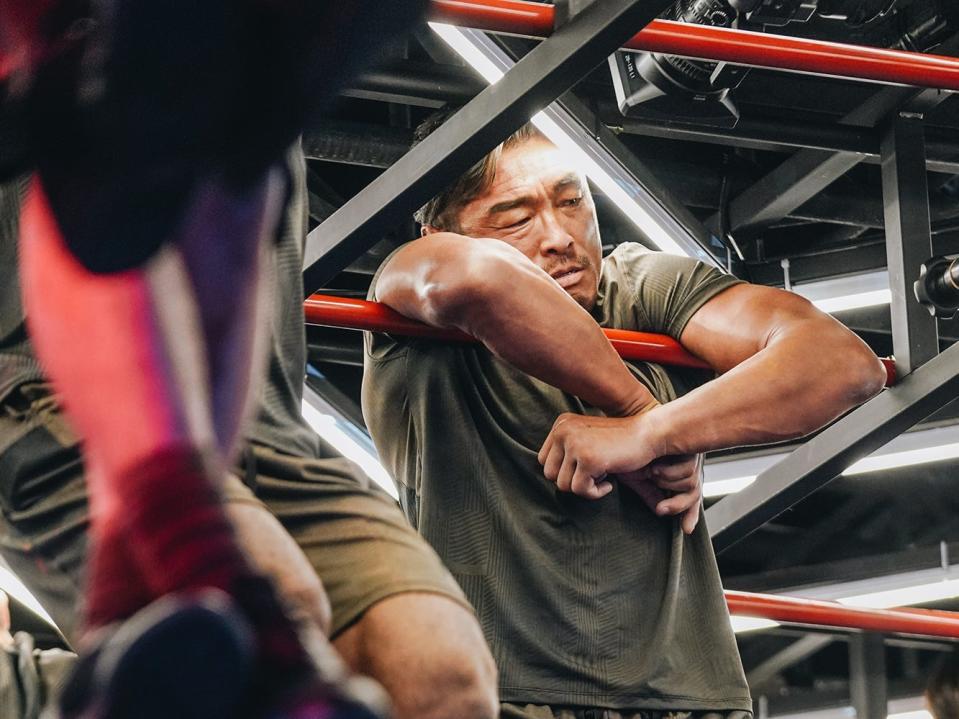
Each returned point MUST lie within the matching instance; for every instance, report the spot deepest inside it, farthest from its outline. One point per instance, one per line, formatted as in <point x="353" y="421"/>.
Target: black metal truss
<point x="435" y="85"/>
<point x="551" y="68"/>
<point x="908" y="239"/>
<point x="808" y="172"/>
<point x="824" y="457"/>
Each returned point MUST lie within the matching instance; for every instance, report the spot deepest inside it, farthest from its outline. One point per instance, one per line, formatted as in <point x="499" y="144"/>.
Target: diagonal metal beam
<point x="551" y="68"/>
<point x="783" y="659"/>
<point x="808" y="172"/>
<point x="823" y="458"/>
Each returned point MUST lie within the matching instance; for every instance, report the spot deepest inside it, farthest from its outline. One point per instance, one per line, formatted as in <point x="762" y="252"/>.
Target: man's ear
<point x="428" y="230"/>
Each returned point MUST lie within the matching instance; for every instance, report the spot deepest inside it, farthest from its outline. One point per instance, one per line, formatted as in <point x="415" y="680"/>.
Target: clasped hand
<point x="583" y="454"/>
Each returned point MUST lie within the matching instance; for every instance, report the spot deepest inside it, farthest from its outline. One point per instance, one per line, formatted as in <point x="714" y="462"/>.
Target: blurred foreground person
<point x="157" y="133"/>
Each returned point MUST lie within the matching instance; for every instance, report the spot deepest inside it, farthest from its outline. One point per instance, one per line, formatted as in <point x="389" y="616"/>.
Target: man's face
<point x="541" y="205"/>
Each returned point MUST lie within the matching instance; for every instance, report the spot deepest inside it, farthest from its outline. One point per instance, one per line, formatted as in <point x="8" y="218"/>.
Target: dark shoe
<point x="185" y="656"/>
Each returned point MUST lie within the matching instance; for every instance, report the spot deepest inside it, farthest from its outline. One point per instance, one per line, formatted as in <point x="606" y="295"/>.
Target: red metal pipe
<point x="377" y="317"/>
<point x="740" y="47"/>
<point x="921" y="622"/>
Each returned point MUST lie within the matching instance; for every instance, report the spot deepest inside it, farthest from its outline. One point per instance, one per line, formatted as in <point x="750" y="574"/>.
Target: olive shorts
<point x="539" y="711"/>
<point x="353" y="534"/>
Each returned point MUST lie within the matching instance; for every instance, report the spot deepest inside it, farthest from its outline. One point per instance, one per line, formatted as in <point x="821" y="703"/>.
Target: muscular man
<point x="387" y="588"/>
<point x="593" y="577"/>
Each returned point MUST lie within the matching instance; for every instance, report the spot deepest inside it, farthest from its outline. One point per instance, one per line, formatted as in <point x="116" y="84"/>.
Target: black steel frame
<point x="542" y="76"/>
<point x="546" y="72"/>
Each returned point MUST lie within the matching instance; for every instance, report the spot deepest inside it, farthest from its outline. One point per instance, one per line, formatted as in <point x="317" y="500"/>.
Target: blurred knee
<point x="272" y="551"/>
<point x="461" y="682"/>
<point x="429" y="654"/>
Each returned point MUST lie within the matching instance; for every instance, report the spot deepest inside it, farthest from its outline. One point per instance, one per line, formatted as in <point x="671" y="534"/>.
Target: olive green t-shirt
<point x="589" y="603"/>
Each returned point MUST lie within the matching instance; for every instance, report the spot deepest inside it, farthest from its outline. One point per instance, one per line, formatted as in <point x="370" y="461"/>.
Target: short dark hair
<point x="942" y="692"/>
<point x="442" y="210"/>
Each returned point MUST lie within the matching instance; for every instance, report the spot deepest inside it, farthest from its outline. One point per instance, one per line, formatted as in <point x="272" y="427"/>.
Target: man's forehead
<point x="532" y="162"/>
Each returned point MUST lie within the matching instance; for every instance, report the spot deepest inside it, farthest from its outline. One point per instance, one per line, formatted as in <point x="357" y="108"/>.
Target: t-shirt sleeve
<point x="378" y="345"/>
<point x="668" y="289"/>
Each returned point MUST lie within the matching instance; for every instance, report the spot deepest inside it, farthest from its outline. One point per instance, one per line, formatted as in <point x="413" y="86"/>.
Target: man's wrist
<point x="653" y="427"/>
<point x="638" y="401"/>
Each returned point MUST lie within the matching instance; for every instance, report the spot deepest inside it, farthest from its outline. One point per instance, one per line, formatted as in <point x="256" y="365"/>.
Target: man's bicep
<point x="740" y="321"/>
<point x="400" y="281"/>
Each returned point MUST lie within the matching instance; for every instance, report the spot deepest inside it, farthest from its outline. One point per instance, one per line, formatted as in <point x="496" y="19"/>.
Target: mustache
<point x="580" y="262"/>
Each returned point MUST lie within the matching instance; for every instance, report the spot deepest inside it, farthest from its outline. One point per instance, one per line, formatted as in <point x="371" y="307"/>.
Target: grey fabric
<point x="279" y="422"/>
<point x="17" y="364"/>
<point x="30" y="677"/>
<point x="533" y="711"/>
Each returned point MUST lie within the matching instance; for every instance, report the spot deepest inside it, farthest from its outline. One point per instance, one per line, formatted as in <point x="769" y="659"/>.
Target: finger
<point x="586" y="485"/>
<point x="674" y="468"/>
<point x="553" y="463"/>
<point x="647" y="491"/>
<point x="678" y="486"/>
<point x="544" y="450"/>
<point x="690" y="519"/>
<point x="677" y="504"/>
<point x="598" y="490"/>
<point x="564" y="480"/>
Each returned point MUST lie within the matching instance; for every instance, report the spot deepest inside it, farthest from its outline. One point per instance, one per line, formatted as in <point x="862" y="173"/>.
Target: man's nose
<point x="556" y="239"/>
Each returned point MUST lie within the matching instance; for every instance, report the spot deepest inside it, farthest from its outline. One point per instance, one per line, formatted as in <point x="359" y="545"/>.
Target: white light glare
<point x="11" y="584"/>
<point x="847" y="293"/>
<point x="328" y="428"/>
<point x="722" y="487"/>
<point x="750" y="624"/>
<point x="468" y="51"/>
<point x="904" y="459"/>
<point x="853" y="302"/>
<point x="922" y="714"/>
<point x="905" y="596"/>
<point x="907" y="450"/>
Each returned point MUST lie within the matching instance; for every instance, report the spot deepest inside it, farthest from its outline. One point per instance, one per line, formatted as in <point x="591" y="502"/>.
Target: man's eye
<point x="572" y="202"/>
<point x="518" y="223"/>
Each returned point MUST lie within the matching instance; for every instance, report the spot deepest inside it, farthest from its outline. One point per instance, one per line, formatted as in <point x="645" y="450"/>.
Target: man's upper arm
<point x="668" y="290"/>
<point x="742" y="320"/>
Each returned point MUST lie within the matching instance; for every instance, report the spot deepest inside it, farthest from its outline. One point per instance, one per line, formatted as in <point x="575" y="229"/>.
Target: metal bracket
<point x="566" y="10"/>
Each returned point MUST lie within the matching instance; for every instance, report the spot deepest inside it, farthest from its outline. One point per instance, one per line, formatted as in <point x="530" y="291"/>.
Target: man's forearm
<point x="767" y="398"/>
<point x="490" y="291"/>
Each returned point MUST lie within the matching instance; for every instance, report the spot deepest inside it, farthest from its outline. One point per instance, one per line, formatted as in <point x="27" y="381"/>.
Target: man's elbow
<point x="862" y="374"/>
<point x="455" y="293"/>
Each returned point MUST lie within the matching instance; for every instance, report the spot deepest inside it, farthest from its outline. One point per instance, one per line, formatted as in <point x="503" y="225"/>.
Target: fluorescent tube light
<point x="905" y="596"/>
<point x="471" y="53"/>
<point x="847" y="293"/>
<point x="346" y="439"/>
<point x="634" y="200"/>
<point x="728" y="476"/>
<point x="904" y="459"/>
<point x="742" y="624"/>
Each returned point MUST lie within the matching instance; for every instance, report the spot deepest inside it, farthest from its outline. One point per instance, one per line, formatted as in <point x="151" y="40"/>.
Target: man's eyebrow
<point x="508" y="205"/>
<point x="570" y="179"/>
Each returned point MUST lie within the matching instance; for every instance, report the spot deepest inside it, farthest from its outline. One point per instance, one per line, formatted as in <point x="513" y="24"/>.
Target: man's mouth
<point x="567" y="277"/>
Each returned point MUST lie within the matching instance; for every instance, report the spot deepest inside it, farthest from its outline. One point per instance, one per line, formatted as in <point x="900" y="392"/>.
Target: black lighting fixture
<point x="676" y="89"/>
<point x="937" y="288"/>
